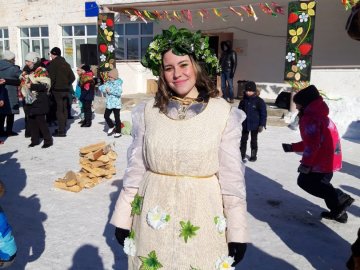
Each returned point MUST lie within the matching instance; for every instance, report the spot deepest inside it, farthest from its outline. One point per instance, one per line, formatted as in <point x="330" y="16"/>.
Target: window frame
<point x="74" y="38"/>
<point x="43" y="51"/>
<point x="4" y="40"/>
<point x="126" y="37"/>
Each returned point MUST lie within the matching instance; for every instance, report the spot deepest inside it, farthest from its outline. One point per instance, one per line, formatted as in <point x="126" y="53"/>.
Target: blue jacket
<point x="10" y="71"/>
<point x="255" y="109"/>
<point x="7" y="241"/>
<point x="113" y="98"/>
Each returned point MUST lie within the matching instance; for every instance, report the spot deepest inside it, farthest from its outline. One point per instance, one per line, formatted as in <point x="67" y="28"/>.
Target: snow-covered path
<point x="58" y="230"/>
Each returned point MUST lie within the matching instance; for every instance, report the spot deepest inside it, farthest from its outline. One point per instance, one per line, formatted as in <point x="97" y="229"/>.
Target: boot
<point x="253" y="155"/>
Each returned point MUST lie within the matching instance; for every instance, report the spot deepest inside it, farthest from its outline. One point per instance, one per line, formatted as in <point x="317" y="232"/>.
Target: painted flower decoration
<point x="111" y="48"/>
<point x="103" y="26"/>
<point x="102" y="58"/>
<point x="220" y="223"/>
<point x="294" y="73"/>
<point x="136" y="205"/>
<point x="301" y="64"/>
<point x="157" y="218"/>
<point x="224" y="263"/>
<point x="108" y="34"/>
<point x="187" y="230"/>
<point x="309" y="7"/>
<point x="303" y="17"/>
<point x="151" y="262"/>
<point x="129" y="244"/>
<point x="290" y="56"/>
<point x="295" y="34"/>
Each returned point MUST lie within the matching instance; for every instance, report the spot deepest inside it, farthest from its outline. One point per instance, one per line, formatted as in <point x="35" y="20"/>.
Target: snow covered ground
<point x="57" y="229"/>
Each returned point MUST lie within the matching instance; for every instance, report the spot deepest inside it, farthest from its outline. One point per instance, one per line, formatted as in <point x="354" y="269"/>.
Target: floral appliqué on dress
<point x="157" y="218"/>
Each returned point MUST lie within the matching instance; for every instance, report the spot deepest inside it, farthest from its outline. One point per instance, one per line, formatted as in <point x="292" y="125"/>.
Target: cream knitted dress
<point x="182" y="188"/>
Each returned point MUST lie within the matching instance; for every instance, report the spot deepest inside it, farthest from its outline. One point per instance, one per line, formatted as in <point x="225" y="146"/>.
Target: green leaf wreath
<point x="181" y="41"/>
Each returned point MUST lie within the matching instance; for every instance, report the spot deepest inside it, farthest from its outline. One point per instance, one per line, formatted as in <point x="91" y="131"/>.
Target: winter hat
<point x="8" y="55"/>
<point x="114" y="73"/>
<point x="307" y="95"/>
<point x="56" y="51"/>
<point x="250" y="86"/>
<point x="86" y="68"/>
<point x="32" y="57"/>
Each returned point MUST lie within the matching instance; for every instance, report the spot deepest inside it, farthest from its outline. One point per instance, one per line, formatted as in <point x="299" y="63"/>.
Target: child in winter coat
<point x="87" y="86"/>
<point x="255" y="122"/>
<point x="7" y="242"/>
<point x="321" y="153"/>
<point x="113" y="90"/>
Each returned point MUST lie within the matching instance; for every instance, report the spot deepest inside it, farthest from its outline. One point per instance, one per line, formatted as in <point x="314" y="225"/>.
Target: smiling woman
<point x="179" y="163"/>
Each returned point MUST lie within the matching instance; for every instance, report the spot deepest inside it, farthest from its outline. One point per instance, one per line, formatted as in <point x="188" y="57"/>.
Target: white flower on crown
<point x="129" y="246"/>
<point x="157" y="218"/>
<point x="224" y="263"/>
<point x="220" y="223"/>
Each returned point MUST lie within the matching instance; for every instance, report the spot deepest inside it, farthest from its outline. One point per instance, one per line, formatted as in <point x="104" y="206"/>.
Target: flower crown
<point x="180" y="41"/>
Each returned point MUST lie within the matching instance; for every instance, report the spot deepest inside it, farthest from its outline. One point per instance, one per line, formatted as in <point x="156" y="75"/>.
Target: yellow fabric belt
<point x="184" y="176"/>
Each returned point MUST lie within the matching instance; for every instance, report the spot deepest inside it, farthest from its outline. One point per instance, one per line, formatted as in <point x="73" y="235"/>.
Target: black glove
<point x="260" y="129"/>
<point x="237" y="250"/>
<point x="287" y="147"/>
<point x="231" y="75"/>
<point x="304" y="169"/>
<point x="121" y="234"/>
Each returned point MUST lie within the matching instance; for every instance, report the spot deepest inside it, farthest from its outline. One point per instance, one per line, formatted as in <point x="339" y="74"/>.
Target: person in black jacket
<point x="35" y="84"/>
<point x="228" y="62"/>
<point x="61" y="77"/>
<point x="255" y="122"/>
<point x="87" y="85"/>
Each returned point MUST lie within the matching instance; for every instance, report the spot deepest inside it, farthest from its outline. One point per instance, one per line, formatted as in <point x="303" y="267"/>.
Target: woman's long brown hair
<point x="204" y="85"/>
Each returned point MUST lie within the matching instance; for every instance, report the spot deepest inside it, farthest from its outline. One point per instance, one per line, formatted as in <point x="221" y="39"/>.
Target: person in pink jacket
<point x="322" y="154"/>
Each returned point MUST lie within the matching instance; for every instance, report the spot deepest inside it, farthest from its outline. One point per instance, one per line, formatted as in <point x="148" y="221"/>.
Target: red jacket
<point x="320" y="139"/>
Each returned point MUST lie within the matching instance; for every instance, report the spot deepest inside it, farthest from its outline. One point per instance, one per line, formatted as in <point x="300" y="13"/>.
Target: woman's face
<point x="180" y="74"/>
<point x="29" y="64"/>
<point x="79" y="71"/>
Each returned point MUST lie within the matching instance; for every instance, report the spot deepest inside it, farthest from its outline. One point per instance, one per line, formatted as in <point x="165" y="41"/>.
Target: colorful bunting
<point x="187" y="15"/>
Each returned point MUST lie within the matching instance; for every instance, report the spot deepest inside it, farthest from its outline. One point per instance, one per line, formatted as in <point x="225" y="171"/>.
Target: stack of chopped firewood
<point x="97" y="163"/>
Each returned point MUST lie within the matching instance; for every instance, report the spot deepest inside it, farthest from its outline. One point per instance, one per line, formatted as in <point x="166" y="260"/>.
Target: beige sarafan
<point x="183" y="158"/>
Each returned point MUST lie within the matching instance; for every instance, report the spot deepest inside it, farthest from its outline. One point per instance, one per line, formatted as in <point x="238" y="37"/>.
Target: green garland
<point x="181" y="42"/>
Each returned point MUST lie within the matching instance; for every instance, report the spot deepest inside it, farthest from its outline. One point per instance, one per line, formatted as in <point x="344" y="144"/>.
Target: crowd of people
<point x="178" y="162"/>
<point x="46" y="90"/>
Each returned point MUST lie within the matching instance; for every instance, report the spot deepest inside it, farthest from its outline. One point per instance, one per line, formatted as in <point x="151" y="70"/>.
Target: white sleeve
<point x="232" y="178"/>
<point x="134" y="172"/>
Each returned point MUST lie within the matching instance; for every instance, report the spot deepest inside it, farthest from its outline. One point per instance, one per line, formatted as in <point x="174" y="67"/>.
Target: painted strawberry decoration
<point x="293" y="17"/>
<point x="305" y="48"/>
<point x="103" y="48"/>
<point x="109" y="22"/>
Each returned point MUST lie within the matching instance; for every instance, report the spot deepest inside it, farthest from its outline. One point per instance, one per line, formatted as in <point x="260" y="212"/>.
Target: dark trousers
<point x="109" y="122"/>
<point x="51" y="115"/>
<point x="253" y="140"/>
<point x="37" y="124"/>
<point x="9" y="122"/>
<point x="62" y="101"/>
<point x="318" y="184"/>
<point x="27" y="126"/>
<point x="87" y="111"/>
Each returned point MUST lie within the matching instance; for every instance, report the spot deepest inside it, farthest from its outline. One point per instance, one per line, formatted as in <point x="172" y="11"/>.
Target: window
<point x="132" y="40"/>
<point x="72" y="37"/>
<point x="34" y="39"/>
<point x="4" y="39"/>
